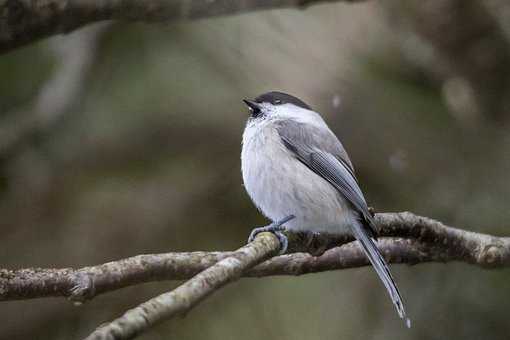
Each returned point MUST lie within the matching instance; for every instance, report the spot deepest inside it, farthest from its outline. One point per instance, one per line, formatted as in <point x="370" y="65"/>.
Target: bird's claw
<point x="284" y="242"/>
<point x="275" y="228"/>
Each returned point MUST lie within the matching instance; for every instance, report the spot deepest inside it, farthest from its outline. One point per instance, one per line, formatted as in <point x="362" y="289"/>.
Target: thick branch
<point x="189" y="294"/>
<point x="417" y="240"/>
<point x="24" y="21"/>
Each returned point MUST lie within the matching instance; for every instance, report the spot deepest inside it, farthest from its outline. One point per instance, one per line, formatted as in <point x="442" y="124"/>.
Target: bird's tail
<point x="380" y="266"/>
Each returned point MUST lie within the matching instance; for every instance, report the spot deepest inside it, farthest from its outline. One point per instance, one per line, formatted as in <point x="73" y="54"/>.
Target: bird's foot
<point x="276" y="228"/>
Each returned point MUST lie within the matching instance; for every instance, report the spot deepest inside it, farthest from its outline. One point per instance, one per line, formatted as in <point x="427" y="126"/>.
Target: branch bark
<point x="189" y="294"/>
<point x="25" y="21"/>
<point x="411" y="239"/>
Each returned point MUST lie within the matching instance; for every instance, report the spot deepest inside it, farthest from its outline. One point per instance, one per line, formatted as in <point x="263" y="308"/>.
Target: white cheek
<point x="296" y="113"/>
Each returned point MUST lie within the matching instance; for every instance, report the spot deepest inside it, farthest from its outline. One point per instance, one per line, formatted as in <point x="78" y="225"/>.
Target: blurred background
<point x="123" y="139"/>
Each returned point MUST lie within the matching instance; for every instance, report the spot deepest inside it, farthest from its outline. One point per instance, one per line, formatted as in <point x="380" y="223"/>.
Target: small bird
<point x="299" y="176"/>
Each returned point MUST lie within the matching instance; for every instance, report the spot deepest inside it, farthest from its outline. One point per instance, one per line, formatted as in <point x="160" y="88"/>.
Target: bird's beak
<point x="252" y="104"/>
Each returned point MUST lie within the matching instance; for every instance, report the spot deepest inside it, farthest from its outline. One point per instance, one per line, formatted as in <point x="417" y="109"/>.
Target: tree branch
<point x="414" y="239"/>
<point x="75" y="55"/>
<point x="25" y="21"/>
<point x="189" y="294"/>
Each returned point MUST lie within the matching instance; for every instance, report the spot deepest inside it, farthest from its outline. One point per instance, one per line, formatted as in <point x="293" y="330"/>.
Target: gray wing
<point x="322" y="153"/>
<point x="329" y="160"/>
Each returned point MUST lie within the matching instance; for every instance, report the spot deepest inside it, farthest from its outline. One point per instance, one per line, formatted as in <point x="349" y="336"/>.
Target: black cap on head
<point x="279" y="98"/>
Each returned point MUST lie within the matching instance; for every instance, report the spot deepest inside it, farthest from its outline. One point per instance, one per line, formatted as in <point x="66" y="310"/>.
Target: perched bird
<point x="298" y="174"/>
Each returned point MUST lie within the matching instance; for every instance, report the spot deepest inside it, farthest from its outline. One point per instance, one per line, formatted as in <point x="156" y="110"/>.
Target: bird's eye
<point x="277" y="101"/>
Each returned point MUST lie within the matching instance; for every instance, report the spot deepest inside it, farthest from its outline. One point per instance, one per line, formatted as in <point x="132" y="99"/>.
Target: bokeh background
<point x="122" y="139"/>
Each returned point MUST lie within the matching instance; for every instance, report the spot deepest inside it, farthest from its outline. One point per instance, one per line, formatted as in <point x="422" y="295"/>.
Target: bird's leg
<point x="276" y="228"/>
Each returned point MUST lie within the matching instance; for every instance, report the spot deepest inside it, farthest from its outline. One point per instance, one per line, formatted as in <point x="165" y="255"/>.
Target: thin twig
<point x="189" y="294"/>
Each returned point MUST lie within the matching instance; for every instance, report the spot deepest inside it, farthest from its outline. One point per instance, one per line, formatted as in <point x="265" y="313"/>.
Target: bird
<point x="298" y="174"/>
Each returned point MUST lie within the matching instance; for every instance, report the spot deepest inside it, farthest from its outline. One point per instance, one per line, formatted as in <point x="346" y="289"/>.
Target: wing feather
<point x="322" y="153"/>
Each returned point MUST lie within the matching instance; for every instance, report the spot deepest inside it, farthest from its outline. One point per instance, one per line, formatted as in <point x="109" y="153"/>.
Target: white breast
<point x="280" y="185"/>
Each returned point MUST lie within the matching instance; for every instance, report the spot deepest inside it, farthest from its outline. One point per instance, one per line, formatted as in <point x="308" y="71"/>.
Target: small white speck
<point x="398" y="161"/>
<point x="336" y="101"/>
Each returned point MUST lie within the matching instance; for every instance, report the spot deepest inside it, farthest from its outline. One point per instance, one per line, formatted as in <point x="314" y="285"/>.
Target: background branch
<point x="75" y="55"/>
<point x="415" y="239"/>
<point x="470" y="54"/>
<point x="24" y="21"/>
<point x="478" y="55"/>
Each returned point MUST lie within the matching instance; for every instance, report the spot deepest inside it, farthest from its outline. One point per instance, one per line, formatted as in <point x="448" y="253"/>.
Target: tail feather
<point x="380" y="266"/>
